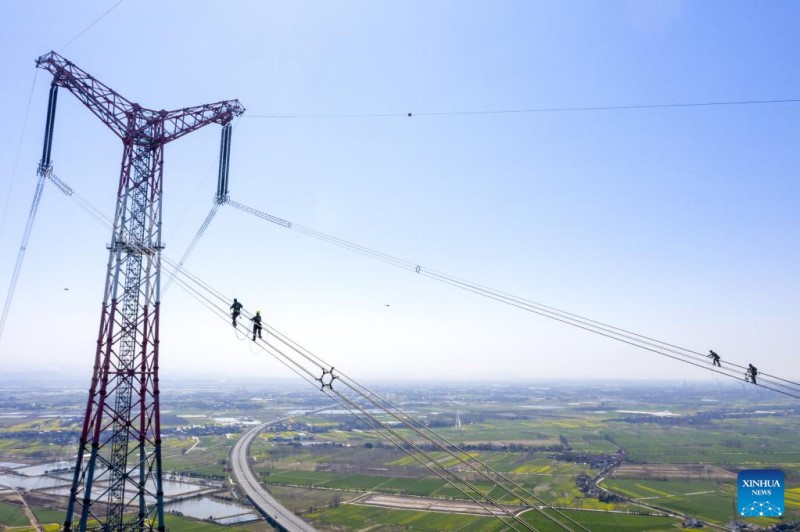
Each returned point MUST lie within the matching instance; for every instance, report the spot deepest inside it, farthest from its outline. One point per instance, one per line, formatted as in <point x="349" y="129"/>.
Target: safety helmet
<point x="258" y="312"/>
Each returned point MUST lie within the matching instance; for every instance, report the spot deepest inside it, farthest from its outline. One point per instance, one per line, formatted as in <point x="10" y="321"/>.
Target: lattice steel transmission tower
<point x="118" y="485"/>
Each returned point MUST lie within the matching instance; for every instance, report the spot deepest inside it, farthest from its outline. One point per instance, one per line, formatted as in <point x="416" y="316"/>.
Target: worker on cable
<point x="714" y="358"/>
<point x="256" y="324"/>
<point x="750" y="376"/>
<point x="236" y="309"/>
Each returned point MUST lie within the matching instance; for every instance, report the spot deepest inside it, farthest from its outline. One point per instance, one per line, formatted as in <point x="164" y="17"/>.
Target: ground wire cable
<point x="531" y="110"/>
<point x="590" y="325"/>
<point x="87" y="28"/>
<point x="792" y="392"/>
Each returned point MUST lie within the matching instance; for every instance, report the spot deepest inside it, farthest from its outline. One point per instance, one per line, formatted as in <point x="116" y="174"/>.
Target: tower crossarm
<point x="181" y="122"/>
<point x="130" y="121"/>
<point x="114" y="110"/>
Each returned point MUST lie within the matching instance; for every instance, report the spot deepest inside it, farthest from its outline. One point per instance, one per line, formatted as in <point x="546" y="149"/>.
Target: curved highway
<point x="277" y="515"/>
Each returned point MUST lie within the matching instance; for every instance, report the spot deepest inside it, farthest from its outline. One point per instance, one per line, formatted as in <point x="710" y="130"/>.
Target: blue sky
<point x="677" y="223"/>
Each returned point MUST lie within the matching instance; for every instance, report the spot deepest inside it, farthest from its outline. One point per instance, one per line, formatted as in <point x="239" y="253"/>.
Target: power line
<point x="45" y="169"/>
<point x="193" y="243"/>
<point x="647" y="343"/>
<point x="532" y="110"/>
<point x="19" y="150"/>
<point x="87" y="28"/>
<point x="767" y="381"/>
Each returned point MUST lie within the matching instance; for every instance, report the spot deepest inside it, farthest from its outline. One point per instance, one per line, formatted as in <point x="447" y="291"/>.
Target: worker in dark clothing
<point x="714" y="358"/>
<point x="751" y="374"/>
<point x="236" y="309"/>
<point x="256" y="324"/>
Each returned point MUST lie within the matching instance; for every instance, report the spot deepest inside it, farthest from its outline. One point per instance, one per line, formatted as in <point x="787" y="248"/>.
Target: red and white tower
<point x="117" y="483"/>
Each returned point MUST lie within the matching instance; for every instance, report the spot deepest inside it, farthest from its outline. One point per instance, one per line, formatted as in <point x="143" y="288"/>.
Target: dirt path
<point x="196" y="443"/>
<point x="28" y="513"/>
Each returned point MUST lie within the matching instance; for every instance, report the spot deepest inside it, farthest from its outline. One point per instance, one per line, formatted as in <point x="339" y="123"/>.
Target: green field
<point x="768" y="442"/>
<point x="44" y="515"/>
<point x="12" y="515"/>
<point x="207" y="459"/>
<point x="354" y="517"/>
<point x="713" y="501"/>
<point x="430" y="486"/>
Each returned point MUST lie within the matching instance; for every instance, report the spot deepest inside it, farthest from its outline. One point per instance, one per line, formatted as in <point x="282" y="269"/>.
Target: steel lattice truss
<point x="118" y="485"/>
